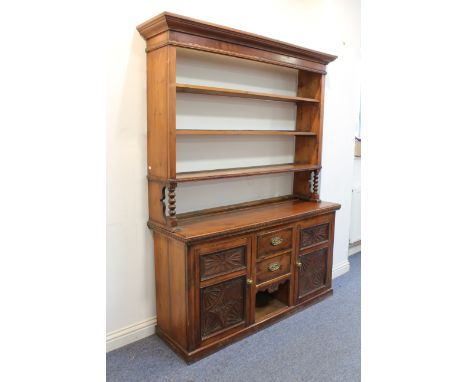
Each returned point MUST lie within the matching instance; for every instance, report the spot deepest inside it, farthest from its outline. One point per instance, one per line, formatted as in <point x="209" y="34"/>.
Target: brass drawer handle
<point x="299" y="264"/>
<point x="273" y="267"/>
<point x="249" y="281"/>
<point x="277" y="240"/>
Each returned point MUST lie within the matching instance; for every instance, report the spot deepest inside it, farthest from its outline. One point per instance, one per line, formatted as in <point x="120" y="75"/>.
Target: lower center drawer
<point x="273" y="267"/>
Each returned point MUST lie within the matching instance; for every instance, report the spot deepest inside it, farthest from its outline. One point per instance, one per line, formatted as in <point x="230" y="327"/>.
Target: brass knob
<point x="273" y="267"/>
<point x="277" y="240"/>
<point x="299" y="264"/>
<point x="249" y="281"/>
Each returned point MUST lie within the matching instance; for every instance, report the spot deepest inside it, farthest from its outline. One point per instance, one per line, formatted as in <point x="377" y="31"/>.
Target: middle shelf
<point x="244" y="132"/>
<point x="242" y="171"/>
<point x="198" y="89"/>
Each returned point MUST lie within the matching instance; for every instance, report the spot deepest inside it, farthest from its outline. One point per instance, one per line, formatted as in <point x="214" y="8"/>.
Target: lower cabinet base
<point x="224" y="276"/>
<point x="202" y="352"/>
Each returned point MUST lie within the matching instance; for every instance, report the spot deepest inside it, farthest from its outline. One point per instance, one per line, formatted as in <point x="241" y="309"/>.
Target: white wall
<point x="355" y="225"/>
<point x="328" y="26"/>
<point x="208" y="112"/>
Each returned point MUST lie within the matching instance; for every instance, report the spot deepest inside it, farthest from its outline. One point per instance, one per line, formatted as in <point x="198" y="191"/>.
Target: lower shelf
<point x="193" y="176"/>
<point x="272" y="301"/>
<point x="273" y="307"/>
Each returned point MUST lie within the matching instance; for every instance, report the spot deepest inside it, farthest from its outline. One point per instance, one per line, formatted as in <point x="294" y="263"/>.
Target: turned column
<point x="172" y="199"/>
<point x="315" y="185"/>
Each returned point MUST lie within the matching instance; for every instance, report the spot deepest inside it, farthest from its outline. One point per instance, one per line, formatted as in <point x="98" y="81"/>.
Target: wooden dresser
<point x="225" y="272"/>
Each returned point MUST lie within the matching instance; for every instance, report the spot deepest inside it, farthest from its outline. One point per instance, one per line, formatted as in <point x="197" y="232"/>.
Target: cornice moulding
<point x="171" y="22"/>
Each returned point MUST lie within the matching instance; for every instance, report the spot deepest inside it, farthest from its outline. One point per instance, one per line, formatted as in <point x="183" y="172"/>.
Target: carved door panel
<point x="312" y="273"/>
<point x="222" y="306"/>
<point x="315" y="235"/>
<point x="221" y="291"/>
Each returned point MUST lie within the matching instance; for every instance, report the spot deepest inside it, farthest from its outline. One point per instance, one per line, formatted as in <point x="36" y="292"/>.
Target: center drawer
<point x="273" y="267"/>
<point x="271" y="242"/>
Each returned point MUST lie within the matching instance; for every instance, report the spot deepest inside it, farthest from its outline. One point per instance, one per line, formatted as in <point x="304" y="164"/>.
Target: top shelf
<point x="196" y="89"/>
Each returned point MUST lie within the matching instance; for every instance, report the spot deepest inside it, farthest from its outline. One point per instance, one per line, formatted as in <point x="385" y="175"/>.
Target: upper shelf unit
<point x="167" y="36"/>
<point x="197" y="89"/>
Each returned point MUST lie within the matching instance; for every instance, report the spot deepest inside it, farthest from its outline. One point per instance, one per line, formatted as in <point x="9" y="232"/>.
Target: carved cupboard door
<point x="221" y="289"/>
<point x="222" y="306"/>
<point x="312" y="273"/>
<point x="314" y="259"/>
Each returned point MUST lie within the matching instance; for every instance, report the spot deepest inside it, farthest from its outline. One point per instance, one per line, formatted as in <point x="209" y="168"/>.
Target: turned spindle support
<point x="172" y="199"/>
<point x="315" y="185"/>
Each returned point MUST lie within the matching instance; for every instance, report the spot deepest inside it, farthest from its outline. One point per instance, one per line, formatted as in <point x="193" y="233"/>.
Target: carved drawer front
<point x="222" y="306"/>
<point x="312" y="272"/>
<point x="273" y="241"/>
<point x="222" y="262"/>
<point x="273" y="267"/>
<point x="314" y="235"/>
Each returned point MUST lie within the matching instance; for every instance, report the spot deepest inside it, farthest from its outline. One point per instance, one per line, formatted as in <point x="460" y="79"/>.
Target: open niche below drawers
<point x="271" y="300"/>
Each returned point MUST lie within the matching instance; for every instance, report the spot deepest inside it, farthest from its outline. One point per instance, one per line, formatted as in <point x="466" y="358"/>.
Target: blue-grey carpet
<point x="321" y="343"/>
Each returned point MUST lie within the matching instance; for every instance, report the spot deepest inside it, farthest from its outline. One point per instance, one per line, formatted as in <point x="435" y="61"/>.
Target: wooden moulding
<point x="195" y="34"/>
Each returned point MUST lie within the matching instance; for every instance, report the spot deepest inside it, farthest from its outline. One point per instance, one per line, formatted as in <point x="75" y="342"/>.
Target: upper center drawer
<point x="270" y="242"/>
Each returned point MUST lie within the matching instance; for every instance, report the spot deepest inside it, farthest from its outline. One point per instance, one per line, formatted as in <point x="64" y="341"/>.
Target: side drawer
<point x="273" y="267"/>
<point x="271" y="242"/>
<point x="319" y="233"/>
<point x="219" y="258"/>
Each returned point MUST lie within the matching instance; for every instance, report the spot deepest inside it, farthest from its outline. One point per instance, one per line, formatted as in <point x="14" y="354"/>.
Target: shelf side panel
<point x="160" y="109"/>
<point x="317" y="121"/>
<point x="309" y="119"/>
<point x="161" y="140"/>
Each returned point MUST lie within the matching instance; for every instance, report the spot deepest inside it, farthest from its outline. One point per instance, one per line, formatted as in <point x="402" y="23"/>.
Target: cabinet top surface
<point x="167" y="21"/>
<point x="256" y="217"/>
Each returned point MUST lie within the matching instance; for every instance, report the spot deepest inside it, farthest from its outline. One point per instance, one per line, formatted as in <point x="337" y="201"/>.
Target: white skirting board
<point x="340" y="269"/>
<point x="129" y="334"/>
<point x="354" y="248"/>
<point x="145" y="328"/>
